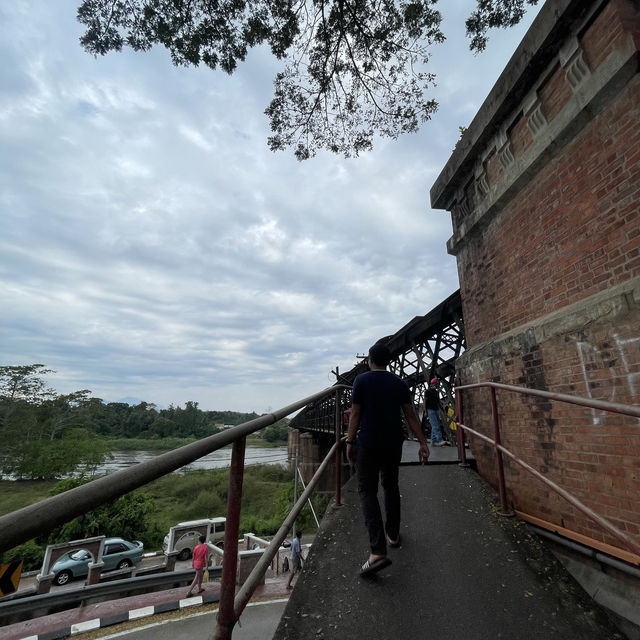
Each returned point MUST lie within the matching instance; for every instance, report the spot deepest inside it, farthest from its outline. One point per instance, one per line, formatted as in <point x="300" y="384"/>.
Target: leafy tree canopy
<point x="43" y="433"/>
<point x="24" y="383"/>
<point x="126" y="516"/>
<point x="352" y="68"/>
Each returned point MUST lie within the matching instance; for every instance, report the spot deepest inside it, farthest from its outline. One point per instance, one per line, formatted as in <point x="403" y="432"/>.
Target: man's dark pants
<point x="374" y="463"/>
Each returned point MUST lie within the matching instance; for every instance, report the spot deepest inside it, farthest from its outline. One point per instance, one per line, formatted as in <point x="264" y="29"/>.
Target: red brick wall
<point x="612" y="26"/>
<point x="520" y="137"/>
<point x="555" y="93"/>
<point x="592" y="454"/>
<point x="571" y="233"/>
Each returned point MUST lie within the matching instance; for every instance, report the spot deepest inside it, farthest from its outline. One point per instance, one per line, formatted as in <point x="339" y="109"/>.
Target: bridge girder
<point x="426" y="347"/>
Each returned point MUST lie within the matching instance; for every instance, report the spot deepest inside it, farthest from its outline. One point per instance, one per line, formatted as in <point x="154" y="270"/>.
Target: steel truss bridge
<point x="425" y="347"/>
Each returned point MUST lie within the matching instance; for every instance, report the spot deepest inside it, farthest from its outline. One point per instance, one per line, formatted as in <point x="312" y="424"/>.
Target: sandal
<point x="369" y="568"/>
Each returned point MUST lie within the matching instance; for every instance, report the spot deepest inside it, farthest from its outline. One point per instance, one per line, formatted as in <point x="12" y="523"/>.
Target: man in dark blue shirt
<point x="377" y="401"/>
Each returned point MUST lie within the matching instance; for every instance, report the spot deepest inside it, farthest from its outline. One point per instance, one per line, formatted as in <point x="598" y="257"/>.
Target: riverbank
<point x="218" y="459"/>
<point x="189" y="495"/>
<point x="168" y="444"/>
<point x="125" y="452"/>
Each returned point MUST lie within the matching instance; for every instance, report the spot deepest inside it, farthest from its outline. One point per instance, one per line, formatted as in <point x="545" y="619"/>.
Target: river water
<point x="216" y="460"/>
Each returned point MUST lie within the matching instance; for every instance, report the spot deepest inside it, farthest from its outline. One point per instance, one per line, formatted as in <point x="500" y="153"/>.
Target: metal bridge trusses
<point x="425" y="347"/>
<point x="428" y="347"/>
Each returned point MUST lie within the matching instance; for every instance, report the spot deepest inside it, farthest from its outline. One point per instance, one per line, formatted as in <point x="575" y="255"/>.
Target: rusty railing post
<point x="338" y="463"/>
<point x="502" y="489"/>
<point x="226" y="617"/>
<point x="462" y="454"/>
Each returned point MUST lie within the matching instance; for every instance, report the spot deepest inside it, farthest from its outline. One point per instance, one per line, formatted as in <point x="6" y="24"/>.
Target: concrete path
<point x="462" y="573"/>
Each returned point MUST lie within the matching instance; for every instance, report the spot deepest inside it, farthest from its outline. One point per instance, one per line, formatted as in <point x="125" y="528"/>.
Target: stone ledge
<point x="540" y="45"/>
<point x="585" y="104"/>
<point x="604" y="305"/>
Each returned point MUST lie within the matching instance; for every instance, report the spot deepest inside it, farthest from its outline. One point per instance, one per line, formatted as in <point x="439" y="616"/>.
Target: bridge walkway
<point x="462" y="572"/>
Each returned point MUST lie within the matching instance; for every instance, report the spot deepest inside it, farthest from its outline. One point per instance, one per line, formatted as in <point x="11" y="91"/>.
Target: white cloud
<point x="153" y="247"/>
<point x="195" y="137"/>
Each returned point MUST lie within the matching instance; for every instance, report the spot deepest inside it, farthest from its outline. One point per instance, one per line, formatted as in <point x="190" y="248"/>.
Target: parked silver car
<point x="117" y="554"/>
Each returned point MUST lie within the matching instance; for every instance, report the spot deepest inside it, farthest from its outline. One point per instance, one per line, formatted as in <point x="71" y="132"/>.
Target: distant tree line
<point x="46" y="434"/>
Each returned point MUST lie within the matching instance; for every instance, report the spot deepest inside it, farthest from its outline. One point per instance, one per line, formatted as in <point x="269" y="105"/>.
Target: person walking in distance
<point x="200" y="561"/>
<point x="432" y="405"/>
<point x="296" y="557"/>
<point x="379" y="397"/>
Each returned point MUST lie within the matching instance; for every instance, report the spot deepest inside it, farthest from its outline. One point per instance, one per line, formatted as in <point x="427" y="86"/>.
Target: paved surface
<point x="258" y="622"/>
<point x="106" y="614"/>
<point x="462" y="572"/>
<point x="437" y="455"/>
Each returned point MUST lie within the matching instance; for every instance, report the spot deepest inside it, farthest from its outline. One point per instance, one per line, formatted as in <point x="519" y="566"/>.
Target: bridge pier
<point x="312" y="448"/>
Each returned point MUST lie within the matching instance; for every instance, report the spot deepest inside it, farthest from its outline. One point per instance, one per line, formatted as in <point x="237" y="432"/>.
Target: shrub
<point x="31" y="554"/>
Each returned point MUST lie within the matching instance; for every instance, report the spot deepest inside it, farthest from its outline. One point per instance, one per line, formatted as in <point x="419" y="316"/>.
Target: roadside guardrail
<point x="28" y="607"/>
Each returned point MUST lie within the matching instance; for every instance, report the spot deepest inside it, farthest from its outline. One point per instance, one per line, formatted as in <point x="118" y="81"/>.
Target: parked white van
<point x="183" y="537"/>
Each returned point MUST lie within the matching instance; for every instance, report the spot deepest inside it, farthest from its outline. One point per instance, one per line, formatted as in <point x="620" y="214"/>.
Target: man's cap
<point x="434" y="380"/>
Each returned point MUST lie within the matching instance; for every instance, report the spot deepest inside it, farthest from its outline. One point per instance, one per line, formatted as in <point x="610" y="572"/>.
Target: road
<point x="258" y="622"/>
<point x="29" y="582"/>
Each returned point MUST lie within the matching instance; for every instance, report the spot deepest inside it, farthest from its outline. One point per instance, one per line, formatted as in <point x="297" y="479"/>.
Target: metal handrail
<point x="44" y="516"/>
<point x="246" y="591"/>
<point x="232" y="605"/>
<point x="630" y="410"/>
<point x="615" y="407"/>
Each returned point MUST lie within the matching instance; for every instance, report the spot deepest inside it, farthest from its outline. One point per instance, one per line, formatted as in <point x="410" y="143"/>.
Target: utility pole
<point x="295" y="487"/>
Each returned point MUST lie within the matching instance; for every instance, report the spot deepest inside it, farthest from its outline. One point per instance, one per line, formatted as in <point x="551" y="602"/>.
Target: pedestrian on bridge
<point x="432" y="405"/>
<point x="379" y="398"/>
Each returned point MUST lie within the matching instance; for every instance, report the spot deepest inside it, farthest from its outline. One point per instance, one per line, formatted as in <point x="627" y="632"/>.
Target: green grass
<point x="261" y="442"/>
<point x="15" y="494"/>
<point x="203" y="494"/>
<point x="267" y="497"/>
<point x="143" y="444"/>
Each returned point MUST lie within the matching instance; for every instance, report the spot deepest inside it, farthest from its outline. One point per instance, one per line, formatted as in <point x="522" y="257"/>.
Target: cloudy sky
<point x="152" y="247"/>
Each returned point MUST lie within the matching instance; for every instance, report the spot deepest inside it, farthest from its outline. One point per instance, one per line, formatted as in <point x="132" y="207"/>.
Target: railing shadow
<point x="500" y="450"/>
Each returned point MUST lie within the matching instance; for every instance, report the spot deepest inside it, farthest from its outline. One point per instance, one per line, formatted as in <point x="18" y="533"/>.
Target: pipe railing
<point x="629" y="410"/>
<point x="231" y="607"/>
<point x="42" y="517"/>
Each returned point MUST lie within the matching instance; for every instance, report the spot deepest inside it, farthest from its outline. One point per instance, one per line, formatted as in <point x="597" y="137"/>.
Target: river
<point x="216" y="460"/>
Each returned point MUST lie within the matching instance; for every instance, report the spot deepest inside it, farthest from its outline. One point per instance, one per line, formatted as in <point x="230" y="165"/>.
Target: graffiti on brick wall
<point x="594" y="360"/>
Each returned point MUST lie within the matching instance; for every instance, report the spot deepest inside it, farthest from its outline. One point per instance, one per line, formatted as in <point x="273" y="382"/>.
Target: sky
<point x="153" y="248"/>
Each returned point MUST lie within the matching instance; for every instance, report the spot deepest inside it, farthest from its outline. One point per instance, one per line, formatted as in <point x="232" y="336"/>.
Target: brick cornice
<point x="555" y="22"/>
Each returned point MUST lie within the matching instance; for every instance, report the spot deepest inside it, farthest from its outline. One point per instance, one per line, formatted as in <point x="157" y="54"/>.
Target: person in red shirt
<point x="200" y="561"/>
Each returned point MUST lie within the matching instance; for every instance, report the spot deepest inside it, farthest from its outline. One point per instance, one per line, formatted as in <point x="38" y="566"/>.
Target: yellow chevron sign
<point x="10" y="577"/>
